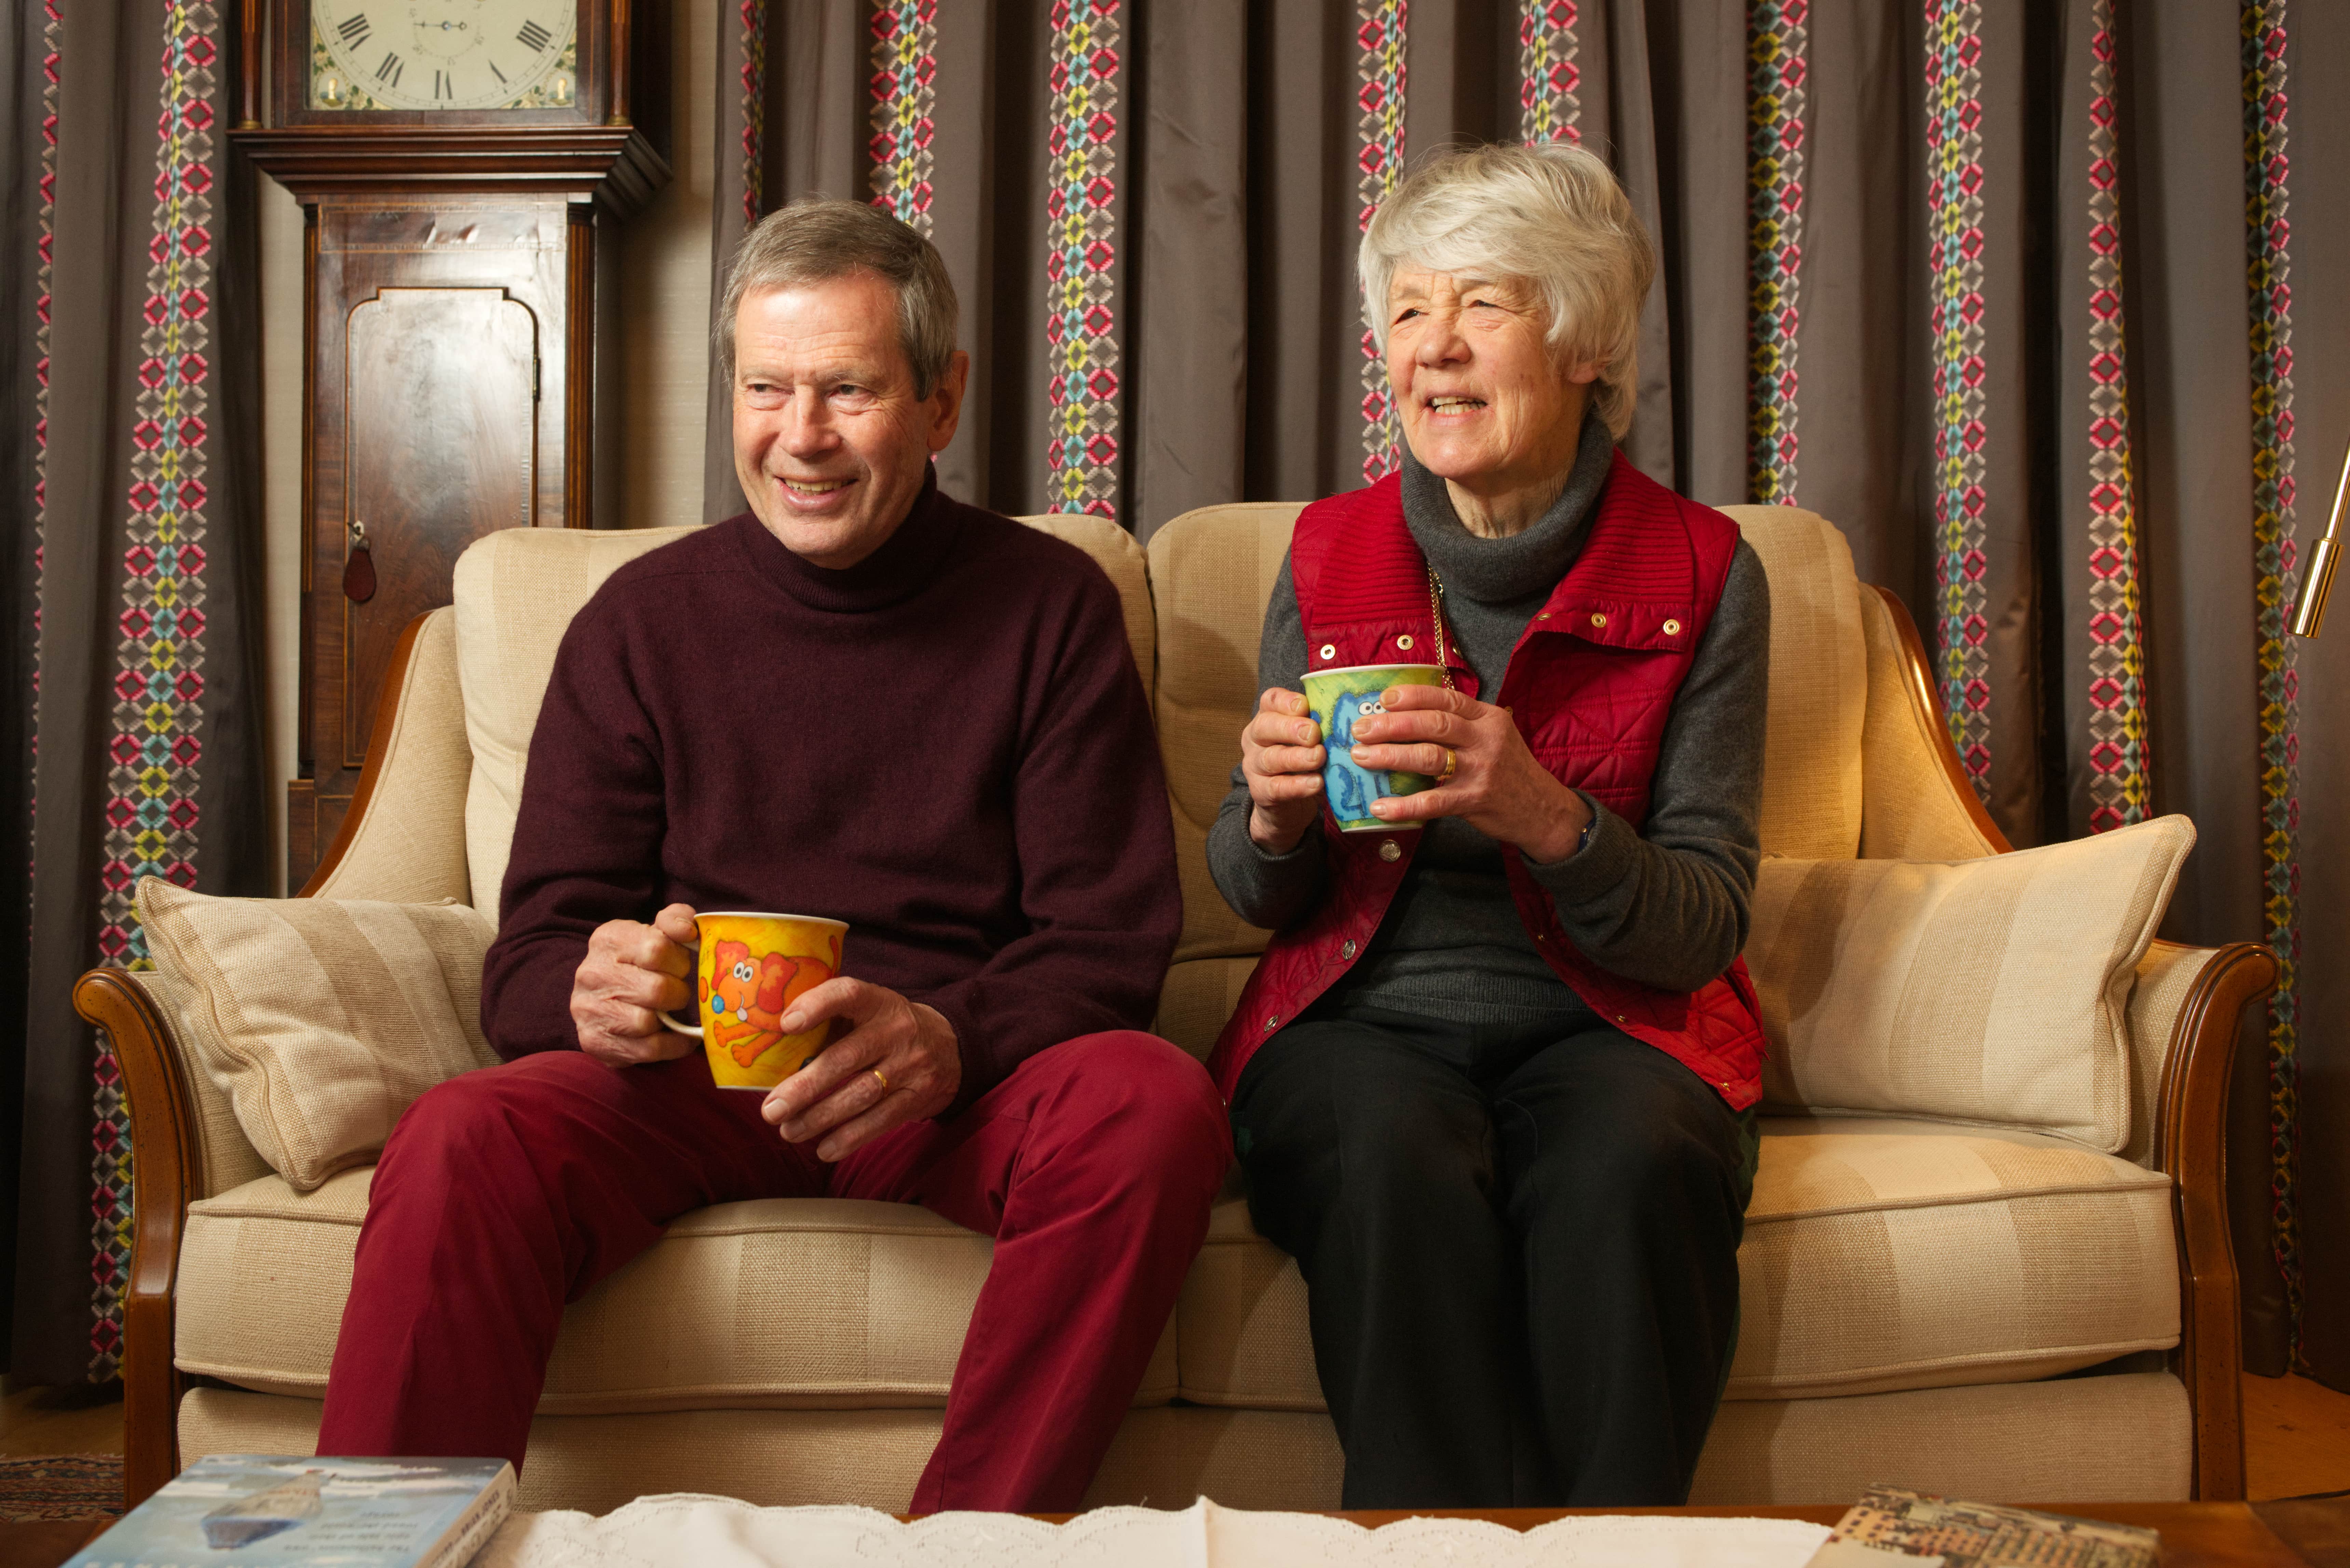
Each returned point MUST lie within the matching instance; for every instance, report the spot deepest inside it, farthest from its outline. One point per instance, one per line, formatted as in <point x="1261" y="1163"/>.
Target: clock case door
<point x="604" y="31"/>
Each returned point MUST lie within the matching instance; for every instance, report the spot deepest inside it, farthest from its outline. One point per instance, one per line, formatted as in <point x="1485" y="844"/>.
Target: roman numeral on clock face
<point x="355" y="29"/>
<point x="389" y="72"/>
<point x="443" y="85"/>
<point x="533" y="36"/>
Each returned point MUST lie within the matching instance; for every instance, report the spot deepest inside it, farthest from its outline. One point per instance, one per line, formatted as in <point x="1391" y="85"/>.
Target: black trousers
<point x="1520" y="1246"/>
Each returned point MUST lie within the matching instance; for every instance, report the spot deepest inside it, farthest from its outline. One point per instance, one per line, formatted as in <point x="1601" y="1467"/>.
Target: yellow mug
<point x="749" y="970"/>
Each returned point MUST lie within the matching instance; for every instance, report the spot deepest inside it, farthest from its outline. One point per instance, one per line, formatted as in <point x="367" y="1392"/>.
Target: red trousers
<point x="507" y="1193"/>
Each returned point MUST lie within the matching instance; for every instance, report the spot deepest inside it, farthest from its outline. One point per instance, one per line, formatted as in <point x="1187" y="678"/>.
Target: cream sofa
<point x="1971" y="1309"/>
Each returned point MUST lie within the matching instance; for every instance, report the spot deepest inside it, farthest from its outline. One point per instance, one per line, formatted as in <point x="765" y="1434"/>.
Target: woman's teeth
<point x="1447" y="405"/>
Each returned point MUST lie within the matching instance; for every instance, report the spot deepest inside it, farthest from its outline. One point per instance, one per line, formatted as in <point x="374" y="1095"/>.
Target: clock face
<point x="443" y="53"/>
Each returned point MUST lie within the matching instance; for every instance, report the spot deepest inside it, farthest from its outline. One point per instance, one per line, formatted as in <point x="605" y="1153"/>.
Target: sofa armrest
<point x="166" y="1174"/>
<point x="2184" y="1016"/>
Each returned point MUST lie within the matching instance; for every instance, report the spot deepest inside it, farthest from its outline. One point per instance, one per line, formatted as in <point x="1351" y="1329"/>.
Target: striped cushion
<point x="1989" y="991"/>
<point x="1880" y="1254"/>
<point x="777" y="1301"/>
<point x="323" y="1020"/>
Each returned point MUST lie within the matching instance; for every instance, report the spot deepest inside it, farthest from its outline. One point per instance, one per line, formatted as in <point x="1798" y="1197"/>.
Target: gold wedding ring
<point x="879" y="1079"/>
<point x="1452" y="766"/>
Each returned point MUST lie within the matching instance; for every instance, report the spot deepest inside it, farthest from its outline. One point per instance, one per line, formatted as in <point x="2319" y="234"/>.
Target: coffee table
<point x="2311" y="1534"/>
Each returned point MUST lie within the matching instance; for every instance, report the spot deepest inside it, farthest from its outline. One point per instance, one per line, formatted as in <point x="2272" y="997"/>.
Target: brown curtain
<point x="2004" y="291"/>
<point x="130" y="456"/>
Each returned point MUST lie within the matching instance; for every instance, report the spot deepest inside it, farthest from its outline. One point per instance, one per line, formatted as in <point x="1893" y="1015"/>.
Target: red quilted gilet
<point x="1591" y="684"/>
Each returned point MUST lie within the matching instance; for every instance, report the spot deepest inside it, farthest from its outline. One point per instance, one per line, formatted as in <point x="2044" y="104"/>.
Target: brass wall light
<point x="2317" y="583"/>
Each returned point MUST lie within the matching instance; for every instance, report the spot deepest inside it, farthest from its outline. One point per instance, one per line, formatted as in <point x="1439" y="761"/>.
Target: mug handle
<point x="693" y="1029"/>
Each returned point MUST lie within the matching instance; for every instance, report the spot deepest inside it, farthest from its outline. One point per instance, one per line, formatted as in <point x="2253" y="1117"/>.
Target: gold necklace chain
<point x="1436" y="615"/>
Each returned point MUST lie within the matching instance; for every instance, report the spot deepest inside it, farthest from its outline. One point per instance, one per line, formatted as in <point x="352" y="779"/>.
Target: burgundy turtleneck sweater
<point x="945" y="745"/>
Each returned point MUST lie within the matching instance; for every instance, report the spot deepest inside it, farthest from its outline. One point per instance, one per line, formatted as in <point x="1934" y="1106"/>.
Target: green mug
<point x="1337" y="700"/>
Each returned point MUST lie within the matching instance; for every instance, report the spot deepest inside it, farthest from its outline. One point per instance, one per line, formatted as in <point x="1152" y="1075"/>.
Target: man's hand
<point x="1282" y="756"/>
<point x="837" y="1096"/>
<point x="1497" y="787"/>
<point x="632" y="973"/>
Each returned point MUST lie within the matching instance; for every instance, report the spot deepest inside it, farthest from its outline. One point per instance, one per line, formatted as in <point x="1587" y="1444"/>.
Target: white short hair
<point x="1551" y="215"/>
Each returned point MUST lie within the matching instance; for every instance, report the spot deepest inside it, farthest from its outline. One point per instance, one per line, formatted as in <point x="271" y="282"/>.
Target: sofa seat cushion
<point x="784" y="1303"/>
<point x="1879" y="1255"/>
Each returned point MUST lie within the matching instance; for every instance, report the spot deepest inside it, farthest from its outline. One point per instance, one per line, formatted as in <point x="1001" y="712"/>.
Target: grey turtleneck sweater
<point x="1663" y="902"/>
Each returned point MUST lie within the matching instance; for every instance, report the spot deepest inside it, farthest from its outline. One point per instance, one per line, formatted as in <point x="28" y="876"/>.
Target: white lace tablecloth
<point x="686" y="1531"/>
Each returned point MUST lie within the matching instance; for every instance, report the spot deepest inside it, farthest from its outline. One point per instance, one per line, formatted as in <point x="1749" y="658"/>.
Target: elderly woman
<point x="1494" y="1083"/>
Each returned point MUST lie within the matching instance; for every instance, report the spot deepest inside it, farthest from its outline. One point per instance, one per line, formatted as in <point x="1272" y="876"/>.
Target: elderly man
<point x="863" y="700"/>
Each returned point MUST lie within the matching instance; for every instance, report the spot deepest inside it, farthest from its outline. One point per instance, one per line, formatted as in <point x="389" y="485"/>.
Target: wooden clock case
<point x="460" y="326"/>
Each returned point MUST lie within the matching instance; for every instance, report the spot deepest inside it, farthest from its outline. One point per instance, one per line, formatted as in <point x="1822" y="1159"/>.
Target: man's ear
<point x="945" y="401"/>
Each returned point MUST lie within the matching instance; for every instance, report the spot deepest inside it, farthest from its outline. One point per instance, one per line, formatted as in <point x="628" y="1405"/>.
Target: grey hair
<point x="817" y="238"/>
<point x="1551" y="215"/>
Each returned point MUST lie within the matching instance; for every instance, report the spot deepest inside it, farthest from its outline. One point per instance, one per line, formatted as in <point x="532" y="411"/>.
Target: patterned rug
<point x="60" y="1486"/>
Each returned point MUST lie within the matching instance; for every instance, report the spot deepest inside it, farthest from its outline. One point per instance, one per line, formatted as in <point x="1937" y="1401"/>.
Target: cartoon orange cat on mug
<point x="748" y="996"/>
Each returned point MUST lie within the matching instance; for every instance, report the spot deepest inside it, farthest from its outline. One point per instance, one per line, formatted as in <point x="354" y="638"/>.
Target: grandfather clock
<point x="461" y="165"/>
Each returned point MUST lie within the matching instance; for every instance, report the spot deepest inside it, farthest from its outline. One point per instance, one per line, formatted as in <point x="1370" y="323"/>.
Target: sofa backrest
<point x="1819" y="684"/>
<point x="516" y="592"/>
<point x="1212" y="570"/>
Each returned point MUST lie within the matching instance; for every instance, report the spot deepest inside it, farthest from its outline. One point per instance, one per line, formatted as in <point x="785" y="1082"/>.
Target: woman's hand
<point x="1281" y="757"/>
<point x="1496" y="787"/>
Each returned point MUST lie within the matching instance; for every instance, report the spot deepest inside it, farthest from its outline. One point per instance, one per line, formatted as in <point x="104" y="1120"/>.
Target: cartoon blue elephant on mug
<point x="1352" y="787"/>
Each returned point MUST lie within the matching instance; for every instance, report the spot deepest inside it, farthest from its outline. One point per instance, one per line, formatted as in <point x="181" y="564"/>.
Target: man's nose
<point x="807" y="425"/>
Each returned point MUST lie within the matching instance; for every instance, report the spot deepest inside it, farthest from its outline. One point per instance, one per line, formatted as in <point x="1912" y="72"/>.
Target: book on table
<point x="265" y="1510"/>
<point x="1890" y="1525"/>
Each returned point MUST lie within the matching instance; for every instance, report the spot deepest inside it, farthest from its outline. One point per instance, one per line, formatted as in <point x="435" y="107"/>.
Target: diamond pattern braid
<point x="1381" y="29"/>
<point x="1080" y="265"/>
<point x="1548" y="79"/>
<point x="2268" y="241"/>
<point x="158" y="685"/>
<point x="1778" y="55"/>
<point x="1954" y="241"/>
<point x="2118" y="784"/>
<point x="753" y="19"/>
<point x="53" y="28"/>
<point x="905" y="78"/>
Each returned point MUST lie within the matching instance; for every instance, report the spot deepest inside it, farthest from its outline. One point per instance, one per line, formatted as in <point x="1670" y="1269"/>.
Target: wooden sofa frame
<point x="2190" y="1147"/>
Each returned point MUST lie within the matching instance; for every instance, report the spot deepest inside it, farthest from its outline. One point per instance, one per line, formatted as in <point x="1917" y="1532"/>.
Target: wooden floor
<point x="2297" y="1438"/>
<point x="2296" y="1432"/>
<point x="35" y="1422"/>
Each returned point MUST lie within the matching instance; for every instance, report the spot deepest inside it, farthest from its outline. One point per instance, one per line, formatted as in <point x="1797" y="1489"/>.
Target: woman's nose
<point x="1441" y="343"/>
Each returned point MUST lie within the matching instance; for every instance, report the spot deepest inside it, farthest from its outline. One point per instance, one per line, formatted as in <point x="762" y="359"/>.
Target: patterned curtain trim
<point x="53" y="28"/>
<point x="1548" y="79"/>
<point x="1777" y="59"/>
<point x="753" y="16"/>
<point x="1382" y="33"/>
<point x="2118" y="764"/>
<point x="905" y="95"/>
<point x="1954" y="176"/>
<point x="1081" y="258"/>
<point x="159" y="686"/>
<point x="2268" y="239"/>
